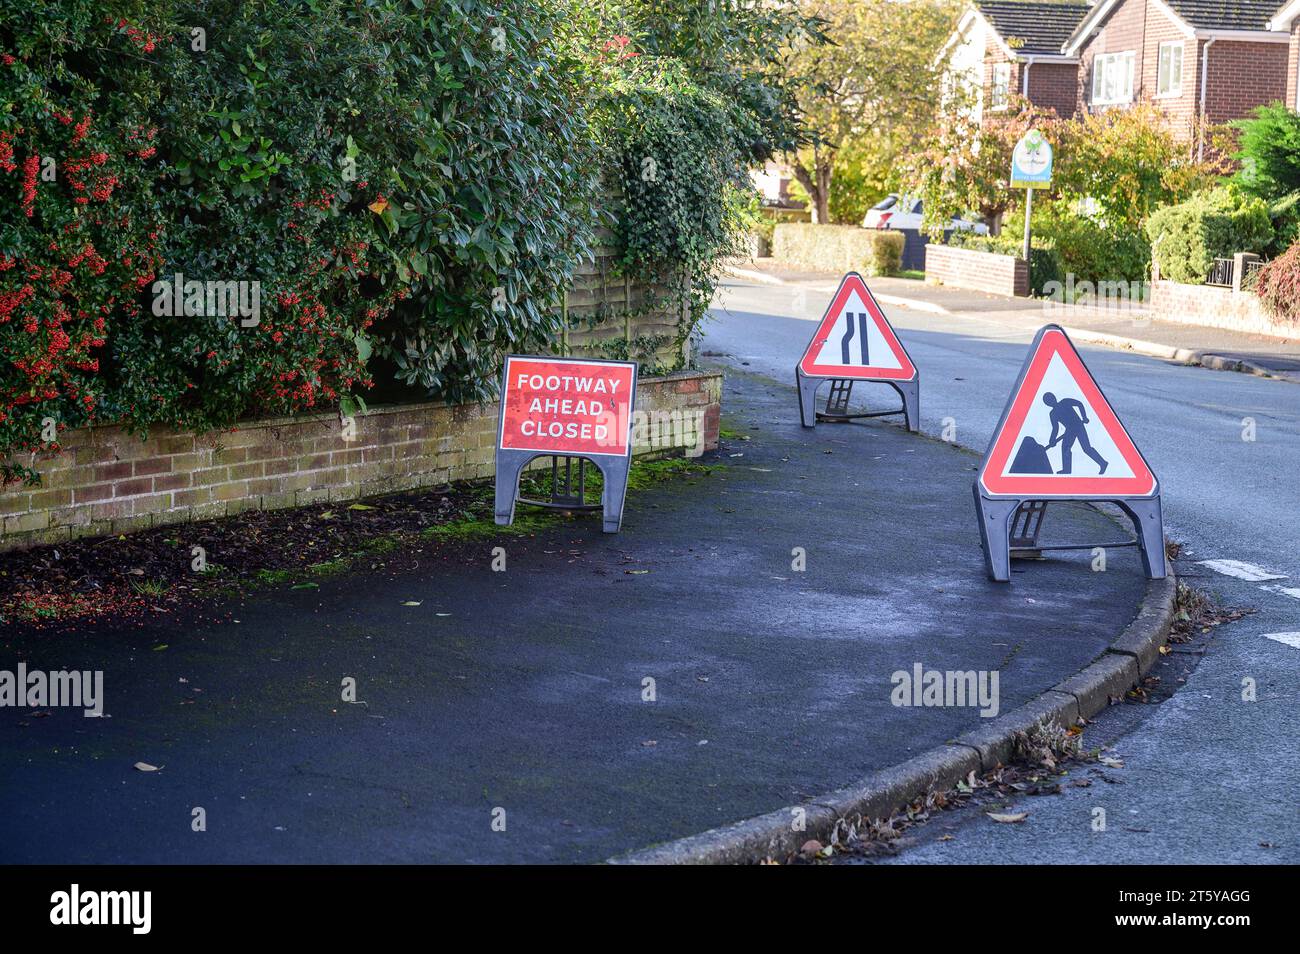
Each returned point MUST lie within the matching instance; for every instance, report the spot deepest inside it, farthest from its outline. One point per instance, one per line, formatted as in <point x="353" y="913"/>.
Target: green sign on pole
<point x="1031" y="168"/>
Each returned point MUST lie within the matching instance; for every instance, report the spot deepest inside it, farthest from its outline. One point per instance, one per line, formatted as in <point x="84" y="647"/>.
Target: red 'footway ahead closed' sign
<point x="1059" y="436"/>
<point x="567" y="406"/>
<point x="855" y="340"/>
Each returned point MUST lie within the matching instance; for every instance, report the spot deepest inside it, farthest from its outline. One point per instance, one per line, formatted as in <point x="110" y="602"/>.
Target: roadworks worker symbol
<point x="1059" y="437"/>
<point x="855" y="340"/>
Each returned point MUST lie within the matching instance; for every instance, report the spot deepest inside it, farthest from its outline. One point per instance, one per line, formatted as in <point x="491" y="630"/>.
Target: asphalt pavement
<point x="729" y="653"/>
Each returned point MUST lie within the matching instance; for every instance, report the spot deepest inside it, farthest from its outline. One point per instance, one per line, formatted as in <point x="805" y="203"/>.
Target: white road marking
<point x="1242" y="571"/>
<point x="1288" y="639"/>
<point x="1291" y="591"/>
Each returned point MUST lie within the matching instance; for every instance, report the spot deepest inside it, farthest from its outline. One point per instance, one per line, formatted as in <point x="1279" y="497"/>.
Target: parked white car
<point x="903" y="212"/>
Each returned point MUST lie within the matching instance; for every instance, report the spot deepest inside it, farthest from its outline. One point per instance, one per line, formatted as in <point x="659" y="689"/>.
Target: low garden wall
<point x="1215" y="307"/>
<point x="978" y="271"/>
<point x="108" y="482"/>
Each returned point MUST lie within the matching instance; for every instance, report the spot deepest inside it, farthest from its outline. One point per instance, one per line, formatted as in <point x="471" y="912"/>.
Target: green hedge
<point x="405" y="188"/>
<point x="1186" y="238"/>
<point x="838" y="248"/>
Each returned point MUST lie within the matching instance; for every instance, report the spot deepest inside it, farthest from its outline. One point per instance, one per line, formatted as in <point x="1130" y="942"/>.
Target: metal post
<point x="1029" y="210"/>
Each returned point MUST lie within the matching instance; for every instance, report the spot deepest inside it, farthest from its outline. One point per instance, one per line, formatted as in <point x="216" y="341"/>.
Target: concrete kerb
<point x="882" y="793"/>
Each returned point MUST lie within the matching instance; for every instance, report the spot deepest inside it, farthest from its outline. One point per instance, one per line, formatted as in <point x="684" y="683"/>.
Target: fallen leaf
<point x="1008" y="819"/>
<point x="1109" y="762"/>
<point x="327" y="515"/>
<point x="413" y="603"/>
<point x="145" y="767"/>
<point x="361" y="507"/>
<point x="305" y="586"/>
<point x="635" y="572"/>
<point x="160" y="647"/>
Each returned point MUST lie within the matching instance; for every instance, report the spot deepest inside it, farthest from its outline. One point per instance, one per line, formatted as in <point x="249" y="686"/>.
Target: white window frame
<point x="1115" y="70"/>
<point x="1001" y="82"/>
<point x="1165" y="85"/>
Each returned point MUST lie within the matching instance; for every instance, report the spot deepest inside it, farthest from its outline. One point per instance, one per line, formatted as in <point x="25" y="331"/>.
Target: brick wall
<point x="980" y="271"/>
<point x="1242" y="76"/>
<point x="107" y="482"/>
<point x="1054" y="86"/>
<point x="1215" y="308"/>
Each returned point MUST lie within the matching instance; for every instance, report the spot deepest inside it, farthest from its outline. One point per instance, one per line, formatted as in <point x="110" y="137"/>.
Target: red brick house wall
<point x="1242" y="76"/>
<point x="1053" y="85"/>
<point x="1142" y="27"/>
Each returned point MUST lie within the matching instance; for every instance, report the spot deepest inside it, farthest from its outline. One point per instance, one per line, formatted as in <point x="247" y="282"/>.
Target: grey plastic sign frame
<point x="614" y="468"/>
<point x="995" y="511"/>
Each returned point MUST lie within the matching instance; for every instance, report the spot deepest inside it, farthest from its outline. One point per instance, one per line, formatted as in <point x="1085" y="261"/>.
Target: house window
<point x="1169" y="75"/>
<point x="1112" y="78"/>
<point x="1001" y="94"/>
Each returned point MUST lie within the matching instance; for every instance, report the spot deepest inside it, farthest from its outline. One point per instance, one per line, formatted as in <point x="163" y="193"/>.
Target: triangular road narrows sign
<point x="854" y="340"/>
<point x="1059" y="437"/>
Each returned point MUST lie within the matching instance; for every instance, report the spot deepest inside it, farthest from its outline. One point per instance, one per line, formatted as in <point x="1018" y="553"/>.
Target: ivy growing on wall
<point x="681" y="157"/>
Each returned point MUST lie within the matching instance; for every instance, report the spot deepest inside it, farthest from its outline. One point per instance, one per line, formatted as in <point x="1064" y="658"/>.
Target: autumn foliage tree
<point x="875" y="78"/>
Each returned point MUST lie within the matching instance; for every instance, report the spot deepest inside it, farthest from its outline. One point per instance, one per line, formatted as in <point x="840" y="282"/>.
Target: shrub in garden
<point x="79" y="229"/>
<point x="264" y="186"/>
<point x="1093" y="252"/>
<point x="1277" y="284"/>
<point x="1186" y="238"/>
<point x="401" y="188"/>
<point x="1269" y="152"/>
<point x="680" y="156"/>
<point x="1284" y="215"/>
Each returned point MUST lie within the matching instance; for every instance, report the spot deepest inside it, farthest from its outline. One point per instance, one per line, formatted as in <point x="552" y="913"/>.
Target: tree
<point x="966" y="165"/>
<point x="878" y="74"/>
<point x="1270" y="152"/>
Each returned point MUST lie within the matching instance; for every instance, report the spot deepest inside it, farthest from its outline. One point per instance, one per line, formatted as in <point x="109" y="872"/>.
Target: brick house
<point x="1201" y="62"/>
<point x="1006" y="47"/>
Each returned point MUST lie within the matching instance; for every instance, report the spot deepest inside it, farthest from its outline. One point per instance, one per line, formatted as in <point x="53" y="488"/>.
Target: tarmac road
<point x="1208" y="777"/>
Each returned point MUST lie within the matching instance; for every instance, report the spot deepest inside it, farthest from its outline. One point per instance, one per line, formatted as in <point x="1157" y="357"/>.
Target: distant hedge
<point x="838" y="248"/>
<point x="1187" y="238"/>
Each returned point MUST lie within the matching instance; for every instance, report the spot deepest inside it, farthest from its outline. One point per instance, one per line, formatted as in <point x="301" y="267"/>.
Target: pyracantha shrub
<point x="78" y="232"/>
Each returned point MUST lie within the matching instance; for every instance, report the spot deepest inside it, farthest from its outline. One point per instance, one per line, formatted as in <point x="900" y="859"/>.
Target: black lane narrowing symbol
<point x="863" y="344"/>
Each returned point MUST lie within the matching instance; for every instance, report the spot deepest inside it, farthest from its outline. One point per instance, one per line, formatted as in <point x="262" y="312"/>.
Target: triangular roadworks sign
<point x="1059" y="437"/>
<point x="855" y="340"/>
